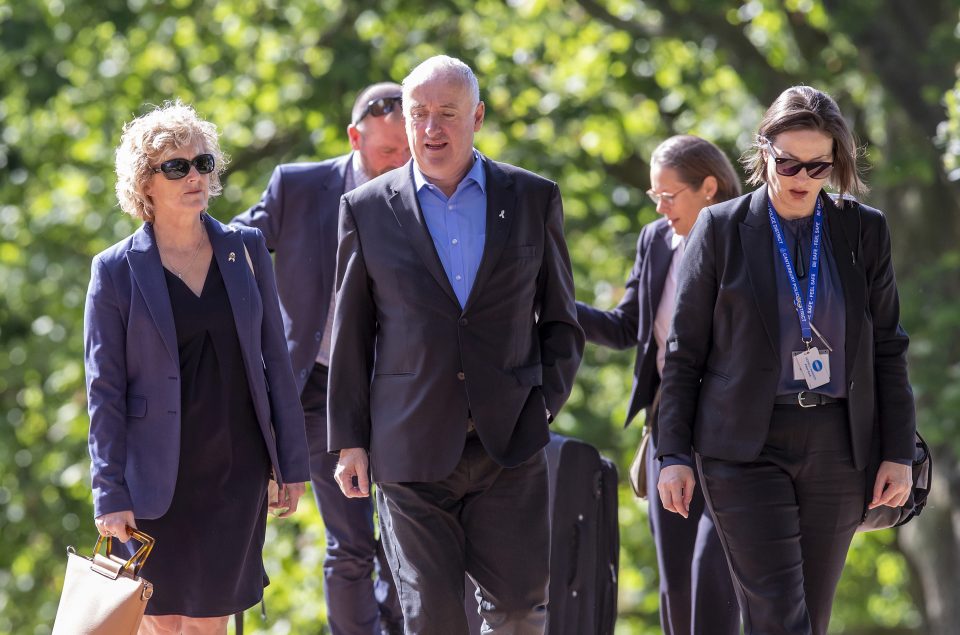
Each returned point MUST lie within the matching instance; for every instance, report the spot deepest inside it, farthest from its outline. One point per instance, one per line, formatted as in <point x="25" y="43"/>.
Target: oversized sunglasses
<point x="174" y="169"/>
<point x="792" y="167"/>
<point x="380" y="107"/>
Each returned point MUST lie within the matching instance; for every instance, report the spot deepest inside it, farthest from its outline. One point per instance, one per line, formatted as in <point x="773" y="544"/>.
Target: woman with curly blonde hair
<point x="191" y="395"/>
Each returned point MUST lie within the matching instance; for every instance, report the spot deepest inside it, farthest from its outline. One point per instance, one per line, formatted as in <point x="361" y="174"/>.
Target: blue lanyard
<point x="804" y="313"/>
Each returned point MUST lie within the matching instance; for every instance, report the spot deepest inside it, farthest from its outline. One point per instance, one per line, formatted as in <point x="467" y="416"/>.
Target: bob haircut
<point x="147" y="138"/>
<point x="806" y="108"/>
<point x="694" y="159"/>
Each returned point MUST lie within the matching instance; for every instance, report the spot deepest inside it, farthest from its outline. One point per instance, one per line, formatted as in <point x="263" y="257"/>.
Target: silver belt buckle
<point x="800" y="400"/>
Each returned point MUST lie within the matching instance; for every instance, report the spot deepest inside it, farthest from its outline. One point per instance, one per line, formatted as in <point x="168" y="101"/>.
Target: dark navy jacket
<point x="133" y="369"/>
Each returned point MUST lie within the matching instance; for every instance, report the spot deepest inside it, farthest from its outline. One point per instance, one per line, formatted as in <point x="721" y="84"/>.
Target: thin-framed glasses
<point x="665" y="197"/>
<point x="792" y="167"/>
<point x="380" y="107"/>
<point x="174" y="169"/>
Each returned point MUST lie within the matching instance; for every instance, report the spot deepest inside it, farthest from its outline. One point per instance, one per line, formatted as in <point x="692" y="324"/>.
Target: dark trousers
<point x="486" y="520"/>
<point x="696" y="593"/>
<point x="786" y="519"/>
<point x="357" y="585"/>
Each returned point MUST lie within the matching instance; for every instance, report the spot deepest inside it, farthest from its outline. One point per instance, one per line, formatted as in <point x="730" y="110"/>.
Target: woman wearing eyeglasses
<point x="687" y="173"/>
<point x="191" y="396"/>
<point x="786" y="367"/>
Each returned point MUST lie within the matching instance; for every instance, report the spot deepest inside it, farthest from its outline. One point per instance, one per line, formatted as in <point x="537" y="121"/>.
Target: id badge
<point x="814" y="367"/>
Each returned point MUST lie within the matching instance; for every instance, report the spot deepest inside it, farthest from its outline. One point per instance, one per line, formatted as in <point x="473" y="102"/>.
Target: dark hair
<point x="368" y="94"/>
<point x="694" y="159"/>
<point x="806" y="108"/>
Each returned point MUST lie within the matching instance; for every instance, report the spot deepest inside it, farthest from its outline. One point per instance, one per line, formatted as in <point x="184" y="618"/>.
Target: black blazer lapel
<point x="655" y="276"/>
<point x="501" y="205"/>
<point x="756" y="239"/>
<point x="227" y="244"/>
<point x="144" y="260"/>
<point x="406" y="209"/>
<point x="844" y="229"/>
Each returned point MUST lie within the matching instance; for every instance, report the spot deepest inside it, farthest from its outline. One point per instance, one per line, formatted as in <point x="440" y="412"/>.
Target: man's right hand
<point x="676" y="489"/>
<point x="351" y="473"/>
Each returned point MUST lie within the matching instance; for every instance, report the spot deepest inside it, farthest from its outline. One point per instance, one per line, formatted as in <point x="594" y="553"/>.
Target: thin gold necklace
<point x="179" y="273"/>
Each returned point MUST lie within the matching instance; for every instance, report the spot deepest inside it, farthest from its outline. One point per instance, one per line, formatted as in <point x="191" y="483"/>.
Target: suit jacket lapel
<point x="227" y="244"/>
<point x="843" y="227"/>
<point x="406" y="209"/>
<point x="327" y="205"/>
<point x="757" y="241"/>
<point x="661" y="254"/>
<point x="501" y="206"/>
<point x="144" y="259"/>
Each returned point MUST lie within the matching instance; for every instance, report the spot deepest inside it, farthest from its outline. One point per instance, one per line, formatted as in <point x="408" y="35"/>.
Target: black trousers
<point x="486" y="520"/>
<point x="357" y="586"/>
<point x="696" y="594"/>
<point x="786" y="519"/>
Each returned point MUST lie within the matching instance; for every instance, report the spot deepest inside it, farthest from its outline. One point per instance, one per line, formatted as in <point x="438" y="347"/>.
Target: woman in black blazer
<point x="686" y="174"/>
<point x="784" y="390"/>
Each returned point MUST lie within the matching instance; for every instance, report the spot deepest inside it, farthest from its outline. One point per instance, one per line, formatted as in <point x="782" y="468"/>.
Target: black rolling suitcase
<point x="585" y="539"/>
<point x="584" y="542"/>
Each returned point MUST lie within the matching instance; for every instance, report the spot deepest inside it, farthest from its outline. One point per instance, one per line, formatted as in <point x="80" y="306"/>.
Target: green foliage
<point x="579" y="91"/>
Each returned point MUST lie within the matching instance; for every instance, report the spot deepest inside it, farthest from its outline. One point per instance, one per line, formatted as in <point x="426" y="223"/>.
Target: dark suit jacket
<point x="723" y="364"/>
<point x="630" y="323"/>
<point x="511" y="352"/>
<point x="132" y="368"/>
<point x="298" y="217"/>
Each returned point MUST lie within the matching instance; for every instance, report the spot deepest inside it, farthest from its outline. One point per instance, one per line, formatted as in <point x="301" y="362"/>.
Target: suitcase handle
<point x="579" y="529"/>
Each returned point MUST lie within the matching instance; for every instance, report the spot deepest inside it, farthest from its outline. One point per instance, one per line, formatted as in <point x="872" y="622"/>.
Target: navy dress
<point x="207" y="561"/>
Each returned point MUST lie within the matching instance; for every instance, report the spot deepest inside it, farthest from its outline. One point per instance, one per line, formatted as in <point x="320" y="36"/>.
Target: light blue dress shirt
<point x="457" y="224"/>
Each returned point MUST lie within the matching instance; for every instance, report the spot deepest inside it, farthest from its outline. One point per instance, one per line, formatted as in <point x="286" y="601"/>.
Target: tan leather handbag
<point x="103" y="595"/>
<point x="638" y="468"/>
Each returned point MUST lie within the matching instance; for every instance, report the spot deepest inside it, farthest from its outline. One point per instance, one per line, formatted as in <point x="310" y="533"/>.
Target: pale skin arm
<point x="115" y="524"/>
<point x="353" y="463"/>
<point x="893" y="485"/>
<point x="287" y="498"/>
<point x="676" y="487"/>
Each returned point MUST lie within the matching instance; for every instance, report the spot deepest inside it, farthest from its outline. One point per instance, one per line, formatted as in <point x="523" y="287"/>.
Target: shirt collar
<point x="475" y="174"/>
<point x="675" y="240"/>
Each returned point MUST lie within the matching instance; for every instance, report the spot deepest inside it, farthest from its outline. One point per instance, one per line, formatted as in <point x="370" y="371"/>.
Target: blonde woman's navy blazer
<point x="133" y="368"/>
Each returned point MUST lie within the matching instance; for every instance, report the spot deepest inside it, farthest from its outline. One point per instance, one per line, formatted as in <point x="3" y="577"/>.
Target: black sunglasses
<point x="792" y="167"/>
<point x="380" y="107"/>
<point x="178" y="168"/>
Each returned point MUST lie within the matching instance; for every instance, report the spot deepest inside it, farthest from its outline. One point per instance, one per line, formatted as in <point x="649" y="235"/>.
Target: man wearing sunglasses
<point x="298" y="217"/>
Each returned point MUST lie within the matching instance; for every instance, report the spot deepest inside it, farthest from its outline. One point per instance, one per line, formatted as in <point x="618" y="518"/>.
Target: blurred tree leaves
<point x="580" y="91"/>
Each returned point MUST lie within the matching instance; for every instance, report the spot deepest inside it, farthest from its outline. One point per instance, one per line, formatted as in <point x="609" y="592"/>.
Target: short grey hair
<point x="440" y="66"/>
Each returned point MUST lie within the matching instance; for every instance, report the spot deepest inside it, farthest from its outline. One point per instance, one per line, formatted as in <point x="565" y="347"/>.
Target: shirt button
<point x="461" y="376"/>
<point x="303" y="373"/>
<point x="463" y="321"/>
<point x="455" y="241"/>
<point x="458" y="277"/>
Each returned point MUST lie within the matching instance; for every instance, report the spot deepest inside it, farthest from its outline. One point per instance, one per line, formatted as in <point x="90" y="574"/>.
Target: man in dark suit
<point x="298" y="218"/>
<point x="455" y="338"/>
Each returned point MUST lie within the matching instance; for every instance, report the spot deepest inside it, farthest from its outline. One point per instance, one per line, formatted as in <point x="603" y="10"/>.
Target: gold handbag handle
<point x="137" y="559"/>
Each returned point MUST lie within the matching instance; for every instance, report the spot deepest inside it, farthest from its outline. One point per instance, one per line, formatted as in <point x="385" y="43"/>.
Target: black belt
<point x="805" y="399"/>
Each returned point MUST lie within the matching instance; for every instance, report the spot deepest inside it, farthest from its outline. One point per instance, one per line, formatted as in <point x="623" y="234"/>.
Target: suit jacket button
<point x="318" y="336"/>
<point x="461" y="376"/>
<point x="463" y="321"/>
